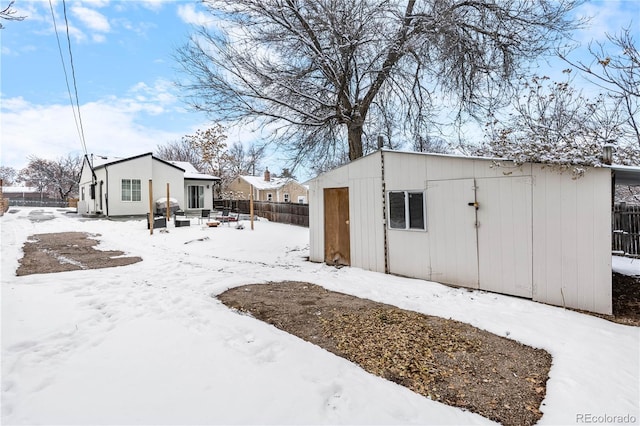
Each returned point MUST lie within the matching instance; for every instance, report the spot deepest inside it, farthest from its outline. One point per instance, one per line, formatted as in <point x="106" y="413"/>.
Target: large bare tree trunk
<point x="355" y="140"/>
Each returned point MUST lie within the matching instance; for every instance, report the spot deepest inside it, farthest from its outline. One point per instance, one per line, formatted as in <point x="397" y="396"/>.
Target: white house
<point x="120" y="187"/>
<point x="198" y="187"/>
<point x="528" y="231"/>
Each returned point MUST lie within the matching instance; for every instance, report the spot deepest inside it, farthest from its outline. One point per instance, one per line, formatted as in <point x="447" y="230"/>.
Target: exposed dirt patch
<point x="445" y="360"/>
<point x="625" y="290"/>
<point x="67" y="251"/>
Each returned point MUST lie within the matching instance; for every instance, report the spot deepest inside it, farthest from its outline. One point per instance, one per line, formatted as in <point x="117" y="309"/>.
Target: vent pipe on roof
<point x="380" y="141"/>
<point x="607" y="152"/>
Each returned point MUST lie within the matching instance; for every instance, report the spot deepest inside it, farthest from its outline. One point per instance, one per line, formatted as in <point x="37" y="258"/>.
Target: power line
<point x="75" y="107"/>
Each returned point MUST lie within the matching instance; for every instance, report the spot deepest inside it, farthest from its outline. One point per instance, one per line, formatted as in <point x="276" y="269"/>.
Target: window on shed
<point x="269" y="196"/>
<point x="406" y="210"/>
<point x="286" y="198"/>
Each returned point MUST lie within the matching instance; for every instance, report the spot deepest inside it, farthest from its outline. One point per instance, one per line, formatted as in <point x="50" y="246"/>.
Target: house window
<point x="286" y="198"/>
<point x="269" y="196"/>
<point x="406" y="210"/>
<point x="302" y="199"/>
<point x="131" y="190"/>
<point x="196" y="196"/>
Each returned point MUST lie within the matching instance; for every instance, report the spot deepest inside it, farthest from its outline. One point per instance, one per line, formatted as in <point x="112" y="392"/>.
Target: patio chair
<point x="204" y="214"/>
<point x="225" y="216"/>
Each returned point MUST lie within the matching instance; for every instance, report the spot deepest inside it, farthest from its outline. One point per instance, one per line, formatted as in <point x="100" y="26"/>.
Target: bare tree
<point x="57" y="178"/>
<point x="181" y="150"/>
<point x="322" y="72"/>
<point x="211" y="146"/>
<point x="618" y="73"/>
<point x="255" y="155"/>
<point x="554" y="123"/>
<point x="8" y="175"/>
<point x="9" y="14"/>
<point x="430" y="143"/>
<point x="244" y="161"/>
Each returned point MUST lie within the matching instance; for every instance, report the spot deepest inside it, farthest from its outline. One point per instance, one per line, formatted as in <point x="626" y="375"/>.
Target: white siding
<point x="86" y="206"/>
<point x="409" y="252"/>
<point x="505" y="235"/>
<point x="451" y="232"/>
<point x="366" y="218"/>
<point x="542" y="234"/>
<point x="572" y="239"/>
<point x="138" y="168"/>
<point x="163" y="174"/>
<point x="366" y="224"/>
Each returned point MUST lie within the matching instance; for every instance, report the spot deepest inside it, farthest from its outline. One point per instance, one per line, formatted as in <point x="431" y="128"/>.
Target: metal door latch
<point x="474" y="204"/>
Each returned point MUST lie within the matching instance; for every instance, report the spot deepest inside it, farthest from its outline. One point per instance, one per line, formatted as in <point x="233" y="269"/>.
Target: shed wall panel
<point x="451" y="232"/>
<point x="504" y="234"/>
<point x="571" y="239"/>
<point x="363" y="178"/>
<point x="316" y="221"/>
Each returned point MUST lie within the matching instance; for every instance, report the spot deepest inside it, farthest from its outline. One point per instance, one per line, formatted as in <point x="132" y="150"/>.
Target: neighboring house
<point x="266" y="188"/>
<point x="120" y="187"/>
<point x="529" y="230"/>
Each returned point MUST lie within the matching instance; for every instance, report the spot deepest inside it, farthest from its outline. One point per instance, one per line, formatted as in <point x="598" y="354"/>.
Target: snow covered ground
<point x="148" y="343"/>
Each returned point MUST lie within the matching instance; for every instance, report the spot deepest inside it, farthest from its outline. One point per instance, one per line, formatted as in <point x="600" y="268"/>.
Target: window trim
<point x="130" y="198"/>
<point x="201" y="197"/>
<point x="407" y="217"/>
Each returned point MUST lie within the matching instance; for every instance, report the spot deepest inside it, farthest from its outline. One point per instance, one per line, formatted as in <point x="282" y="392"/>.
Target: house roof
<point x="191" y="172"/>
<point x="98" y="161"/>
<point x="258" y="182"/>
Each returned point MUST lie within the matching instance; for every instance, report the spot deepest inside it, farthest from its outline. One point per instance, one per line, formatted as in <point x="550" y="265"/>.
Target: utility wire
<point x="76" y="115"/>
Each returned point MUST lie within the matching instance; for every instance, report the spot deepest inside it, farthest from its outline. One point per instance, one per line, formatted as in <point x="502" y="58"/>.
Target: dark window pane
<point x="396" y="210"/>
<point x="416" y="210"/>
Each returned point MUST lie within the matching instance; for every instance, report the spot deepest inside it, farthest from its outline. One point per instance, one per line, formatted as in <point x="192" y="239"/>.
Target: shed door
<point x="505" y="235"/>
<point x="452" y="232"/>
<point x="337" y="247"/>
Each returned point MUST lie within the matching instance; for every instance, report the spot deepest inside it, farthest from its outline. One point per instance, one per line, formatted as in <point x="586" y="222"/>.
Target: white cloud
<point x="606" y="17"/>
<point x="188" y="14"/>
<point x="112" y="126"/>
<point x="153" y="4"/>
<point x="92" y="19"/>
<point x="97" y="3"/>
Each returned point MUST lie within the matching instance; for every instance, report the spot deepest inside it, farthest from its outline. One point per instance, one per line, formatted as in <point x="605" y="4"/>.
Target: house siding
<point x="242" y="190"/>
<point x="108" y="190"/>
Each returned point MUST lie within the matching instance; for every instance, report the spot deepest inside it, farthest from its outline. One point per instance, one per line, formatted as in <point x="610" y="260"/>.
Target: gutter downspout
<point x="106" y="194"/>
<point x="94" y="178"/>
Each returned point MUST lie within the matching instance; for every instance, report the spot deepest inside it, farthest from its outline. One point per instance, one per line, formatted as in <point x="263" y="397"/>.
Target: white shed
<point x="528" y="231"/>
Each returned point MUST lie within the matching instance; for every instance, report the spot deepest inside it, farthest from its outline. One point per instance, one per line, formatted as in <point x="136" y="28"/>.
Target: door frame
<point x="337" y="234"/>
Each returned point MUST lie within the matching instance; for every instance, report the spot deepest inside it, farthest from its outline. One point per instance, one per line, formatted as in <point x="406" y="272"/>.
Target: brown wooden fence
<point x="291" y="213"/>
<point x="626" y="229"/>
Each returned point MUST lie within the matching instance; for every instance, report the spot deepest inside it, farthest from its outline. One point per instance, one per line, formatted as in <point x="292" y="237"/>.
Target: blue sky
<point x="122" y="53"/>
